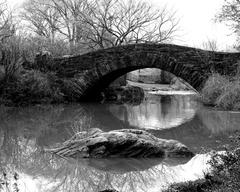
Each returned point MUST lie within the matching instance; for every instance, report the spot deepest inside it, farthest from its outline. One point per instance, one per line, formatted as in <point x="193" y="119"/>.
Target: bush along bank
<point x="23" y="85"/>
<point x="31" y="87"/>
<point x="222" y="91"/>
<point x="224" y="176"/>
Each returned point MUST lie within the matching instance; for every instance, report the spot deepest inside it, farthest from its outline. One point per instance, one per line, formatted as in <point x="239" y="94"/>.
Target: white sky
<point x="196" y="21"/>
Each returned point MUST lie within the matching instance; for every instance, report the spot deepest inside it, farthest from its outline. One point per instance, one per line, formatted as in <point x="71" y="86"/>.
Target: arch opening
<point x="94" y="91"/>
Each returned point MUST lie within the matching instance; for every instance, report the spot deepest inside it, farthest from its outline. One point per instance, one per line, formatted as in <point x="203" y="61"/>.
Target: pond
<point x="26" y="132"/>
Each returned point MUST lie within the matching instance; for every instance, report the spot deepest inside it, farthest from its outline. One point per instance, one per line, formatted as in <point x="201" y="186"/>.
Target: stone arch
<point x="101" y="82"/>
<point x="94" y="71"/>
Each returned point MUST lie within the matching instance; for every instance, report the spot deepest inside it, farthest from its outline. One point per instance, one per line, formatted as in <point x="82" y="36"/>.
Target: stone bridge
<point x="86" y="75"/>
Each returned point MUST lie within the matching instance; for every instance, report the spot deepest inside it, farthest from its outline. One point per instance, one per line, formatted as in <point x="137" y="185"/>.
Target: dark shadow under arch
<point x="96" y="88"/>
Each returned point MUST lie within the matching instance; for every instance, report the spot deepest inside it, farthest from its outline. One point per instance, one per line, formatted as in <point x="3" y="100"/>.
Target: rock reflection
<point x="54" y="174"/>
<point x="157" y="112"/>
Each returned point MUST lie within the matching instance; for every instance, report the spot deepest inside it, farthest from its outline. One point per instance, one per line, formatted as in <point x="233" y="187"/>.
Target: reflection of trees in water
<point x="51" y="173"/>
<point x="43" y="126"/>
<point x="24" y="132"/>
<point x="46" y="124"/>
<point x="219" y="122"/>
<point x="67" y="175"/>
<point x="166" y="101"/>
<point x="157" y="112"/>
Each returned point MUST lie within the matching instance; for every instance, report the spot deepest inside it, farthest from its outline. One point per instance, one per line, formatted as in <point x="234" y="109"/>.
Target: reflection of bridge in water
<point x="156" y="112"/>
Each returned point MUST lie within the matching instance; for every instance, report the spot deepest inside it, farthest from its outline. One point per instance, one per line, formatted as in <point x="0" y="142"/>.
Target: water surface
<point x="25" y="132"/>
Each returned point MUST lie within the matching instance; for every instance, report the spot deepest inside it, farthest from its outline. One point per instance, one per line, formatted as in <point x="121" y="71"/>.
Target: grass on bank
<point x="222" y="91"/>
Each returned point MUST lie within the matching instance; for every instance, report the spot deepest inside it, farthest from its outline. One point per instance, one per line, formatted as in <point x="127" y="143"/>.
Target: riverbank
<point x="163" y="89"/>
<point x="224" y="174"/>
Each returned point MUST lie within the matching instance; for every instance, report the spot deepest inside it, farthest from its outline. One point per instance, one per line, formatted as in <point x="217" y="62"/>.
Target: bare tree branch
<point x="7" y="27"/>
<point x="116" y="22"/>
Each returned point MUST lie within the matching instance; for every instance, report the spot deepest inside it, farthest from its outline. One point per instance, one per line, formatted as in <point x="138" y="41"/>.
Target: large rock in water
<point x="131" y="143"/>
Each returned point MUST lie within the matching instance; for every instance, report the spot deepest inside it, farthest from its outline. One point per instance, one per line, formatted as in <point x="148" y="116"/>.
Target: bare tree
<point x="7" y="27"/>
<point x="43" y="19"/>
<point x="116" y="22"/>
<point x="50" y="17"/>
<point x="100" y="23"/>
<point x="210" y="45"/>
<point x="71" y="25"/>
<point x="230" y="13"/>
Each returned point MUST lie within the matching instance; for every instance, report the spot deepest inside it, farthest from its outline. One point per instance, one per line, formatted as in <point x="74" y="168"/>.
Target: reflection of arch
<point x="94" y="71"/>
<point x="156" y="114"/>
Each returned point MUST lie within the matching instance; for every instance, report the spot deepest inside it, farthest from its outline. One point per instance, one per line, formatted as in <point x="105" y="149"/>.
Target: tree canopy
<point x="99" y="23"/>
<point x="230" y="14"/>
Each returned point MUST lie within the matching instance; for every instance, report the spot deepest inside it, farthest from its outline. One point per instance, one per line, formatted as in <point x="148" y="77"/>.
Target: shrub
<point x="33" y="87"/>
<point x="19" y="86"/>
<point x="201" y="185"/>
<point x="230" y="97"/>
<point x="213" y="88"/>
<point x="222" y="91"/>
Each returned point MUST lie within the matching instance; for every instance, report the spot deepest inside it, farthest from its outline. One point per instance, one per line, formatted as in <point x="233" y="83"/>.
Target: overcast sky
<point x="196" y="21"/>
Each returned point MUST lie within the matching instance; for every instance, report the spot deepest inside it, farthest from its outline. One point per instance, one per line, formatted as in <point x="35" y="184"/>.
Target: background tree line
<point x="78" y="26"/>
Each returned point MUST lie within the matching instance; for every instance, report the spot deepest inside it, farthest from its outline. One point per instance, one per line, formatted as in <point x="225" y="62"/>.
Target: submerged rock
<point x="131" y="143"/>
